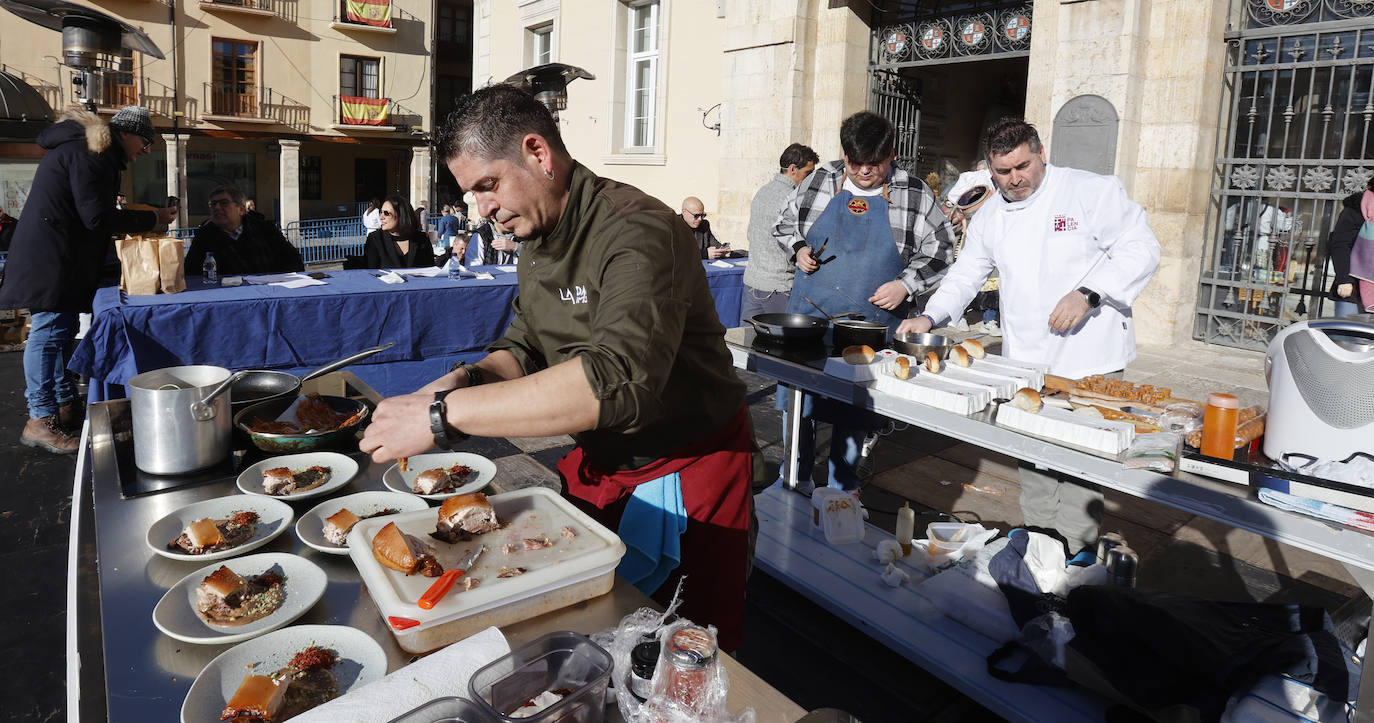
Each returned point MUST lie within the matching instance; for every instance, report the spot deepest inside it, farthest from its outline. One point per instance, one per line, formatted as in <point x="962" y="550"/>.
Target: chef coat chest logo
<point x="575" y="295"/>
<point x="858" y="206"/>
<point x="1064" y="223"/>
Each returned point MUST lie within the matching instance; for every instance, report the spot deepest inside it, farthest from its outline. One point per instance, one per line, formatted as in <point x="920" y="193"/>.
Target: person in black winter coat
<point x="243" y="241"/>
<point x="1344" y="287"/>
<point x="398" y="244"/>
<point x="54" y="262"/>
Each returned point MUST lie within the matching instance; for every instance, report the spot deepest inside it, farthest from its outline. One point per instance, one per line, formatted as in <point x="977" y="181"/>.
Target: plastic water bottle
<point x="454" y="268"/>
<point x="210" y="270"/>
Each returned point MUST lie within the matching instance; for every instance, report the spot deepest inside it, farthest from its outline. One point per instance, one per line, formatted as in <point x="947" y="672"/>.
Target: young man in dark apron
<point x="868" y="237"/>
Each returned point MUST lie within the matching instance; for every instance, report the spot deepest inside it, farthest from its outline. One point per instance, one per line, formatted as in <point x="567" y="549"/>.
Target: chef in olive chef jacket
<point x="1074" y="253"/>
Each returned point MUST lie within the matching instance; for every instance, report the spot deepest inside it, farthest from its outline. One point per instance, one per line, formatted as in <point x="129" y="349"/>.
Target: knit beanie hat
<point x="133" y="119"/>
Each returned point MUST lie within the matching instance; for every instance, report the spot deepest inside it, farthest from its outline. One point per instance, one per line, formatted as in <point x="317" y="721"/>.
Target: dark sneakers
<point x="48" y="434"/>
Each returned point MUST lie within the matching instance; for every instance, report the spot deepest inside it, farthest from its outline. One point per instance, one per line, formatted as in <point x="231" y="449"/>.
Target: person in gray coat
<point x="768" y="277"/>
<point x="54" y="262"/>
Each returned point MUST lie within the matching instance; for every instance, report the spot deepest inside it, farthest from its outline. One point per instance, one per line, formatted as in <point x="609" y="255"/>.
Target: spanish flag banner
<point x="364" y="111"/>
<point x="369" y="12"/>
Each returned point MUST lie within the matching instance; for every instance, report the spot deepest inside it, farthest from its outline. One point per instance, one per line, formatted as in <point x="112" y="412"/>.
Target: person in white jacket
<point x="1074" y="253"/>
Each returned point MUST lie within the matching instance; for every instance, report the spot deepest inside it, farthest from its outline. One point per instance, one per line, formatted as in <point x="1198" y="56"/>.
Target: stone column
<point x="420" y="185"/>
<point x="176" y="173"/>
<point x="290" y="174"/>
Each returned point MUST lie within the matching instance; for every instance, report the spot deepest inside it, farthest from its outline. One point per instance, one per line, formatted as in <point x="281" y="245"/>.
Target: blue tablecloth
<point x="434" y="322"/>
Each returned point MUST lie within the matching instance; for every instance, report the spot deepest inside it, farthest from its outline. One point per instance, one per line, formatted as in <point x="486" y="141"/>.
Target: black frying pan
<point x="789" y="327"/>
<point x="261" y="385"/>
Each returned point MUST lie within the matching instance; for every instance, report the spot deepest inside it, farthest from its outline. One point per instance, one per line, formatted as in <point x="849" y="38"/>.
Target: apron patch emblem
<point x="1065" y="223"/>
<point x="858" y="206"/>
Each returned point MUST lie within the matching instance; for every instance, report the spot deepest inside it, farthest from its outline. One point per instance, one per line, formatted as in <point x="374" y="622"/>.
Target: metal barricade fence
<point x="327" y="240"/>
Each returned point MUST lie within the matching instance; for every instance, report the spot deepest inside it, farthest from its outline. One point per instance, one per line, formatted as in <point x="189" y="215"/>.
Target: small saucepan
<point x="789" y="327"/>
<point x="261" y="385"/>
<point x="853" y="332"/>
<point x="918" y="345"/>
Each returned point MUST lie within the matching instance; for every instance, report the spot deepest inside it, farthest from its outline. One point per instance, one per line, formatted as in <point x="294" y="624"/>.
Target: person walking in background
<point x="768" y="277"/>
<point x="372" y="217"/>
<point x="243" y="241"/>
<point x="398" y="244"/>
<point x="59" y="245"/>
<point x="1352" y="253"/>
<point x="448" y="228"/>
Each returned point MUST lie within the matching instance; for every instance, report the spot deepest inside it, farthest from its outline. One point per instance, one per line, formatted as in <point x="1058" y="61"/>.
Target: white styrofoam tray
<point x="528" y="512"/>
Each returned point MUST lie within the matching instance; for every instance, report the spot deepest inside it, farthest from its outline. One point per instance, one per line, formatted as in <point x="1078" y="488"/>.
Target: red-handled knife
<point x="402" y="623"/>
<point x="440" y="588"/>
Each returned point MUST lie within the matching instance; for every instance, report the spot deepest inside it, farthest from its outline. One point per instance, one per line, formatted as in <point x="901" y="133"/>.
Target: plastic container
<point x="947" y="537"/>
<point x="1219" y="423"/>
<point x="446" y="710"/>
<point x="564" y="662"/>
<point x="840" y="514"/>
<point x="210" y="270"/>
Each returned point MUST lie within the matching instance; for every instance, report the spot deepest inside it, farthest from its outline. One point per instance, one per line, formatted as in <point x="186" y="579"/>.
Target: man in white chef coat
<point x="1074" y="253"/>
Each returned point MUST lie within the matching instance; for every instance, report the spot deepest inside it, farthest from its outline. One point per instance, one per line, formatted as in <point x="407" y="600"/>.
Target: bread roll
<point x="901" y="368"/>
<point x="933" y="363"/>
<point x="960" y="356"/>
<point x="1027" y="399"/>
<point x="858" y="354"/>
<point x="974" y="348"/>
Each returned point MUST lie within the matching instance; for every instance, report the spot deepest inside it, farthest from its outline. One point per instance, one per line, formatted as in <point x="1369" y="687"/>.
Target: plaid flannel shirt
<point x="922" y="233"/>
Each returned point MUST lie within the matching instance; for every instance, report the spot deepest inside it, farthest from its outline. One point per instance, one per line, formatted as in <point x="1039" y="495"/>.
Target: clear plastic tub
<point x="840" y="515"/>
<point x="448" y="709"/>
<point x="564" y="663"/>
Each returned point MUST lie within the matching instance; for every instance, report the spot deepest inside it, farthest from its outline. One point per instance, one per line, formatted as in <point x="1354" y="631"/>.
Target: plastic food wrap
<point x="661" y="707"/>
<point x="1157" y="452"/>
<point x="1249" y="427"/>
<point x="1183" y="418"/>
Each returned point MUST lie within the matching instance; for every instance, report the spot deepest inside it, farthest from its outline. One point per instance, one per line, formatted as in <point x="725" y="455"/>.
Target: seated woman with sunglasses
<point x="399" y="244"/>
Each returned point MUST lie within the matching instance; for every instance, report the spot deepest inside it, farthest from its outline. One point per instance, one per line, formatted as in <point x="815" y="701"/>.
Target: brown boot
<point x="70" y="416"/>
<point x="48" y="435"/>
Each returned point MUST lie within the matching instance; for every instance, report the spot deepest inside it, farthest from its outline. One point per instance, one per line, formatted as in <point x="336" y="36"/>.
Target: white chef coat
<point x="1077" y="230"/>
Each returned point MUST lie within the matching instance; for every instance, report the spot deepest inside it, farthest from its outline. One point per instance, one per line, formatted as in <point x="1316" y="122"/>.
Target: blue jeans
<point x="1346" y="308"/>
<point x="848" y="427"/>
<point x="46" y="384"/>
<point x="754" y="302"/>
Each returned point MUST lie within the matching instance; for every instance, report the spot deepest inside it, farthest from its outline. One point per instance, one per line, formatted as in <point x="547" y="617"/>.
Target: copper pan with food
<point x="317" y="422"/>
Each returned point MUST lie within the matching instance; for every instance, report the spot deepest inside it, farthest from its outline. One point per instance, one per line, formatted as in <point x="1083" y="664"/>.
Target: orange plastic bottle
<point x="1219" y="426"/>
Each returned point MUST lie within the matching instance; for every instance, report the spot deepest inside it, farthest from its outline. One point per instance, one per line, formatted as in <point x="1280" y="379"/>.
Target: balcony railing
<point x="364" y="15"/>
<point x="119" y="90"/>
<point x="229" y="101"/>
<point x="251" y="7"/>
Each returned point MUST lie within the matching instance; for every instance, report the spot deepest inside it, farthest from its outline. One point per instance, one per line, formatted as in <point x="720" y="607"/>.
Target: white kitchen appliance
<point x="1321" y="390"/>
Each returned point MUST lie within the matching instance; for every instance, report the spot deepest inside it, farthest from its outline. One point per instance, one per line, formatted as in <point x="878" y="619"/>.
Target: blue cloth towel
<point x="652" y="528"/>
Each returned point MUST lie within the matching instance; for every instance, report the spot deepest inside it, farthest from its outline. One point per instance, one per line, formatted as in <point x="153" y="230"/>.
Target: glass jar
<point x="686" y="666"/>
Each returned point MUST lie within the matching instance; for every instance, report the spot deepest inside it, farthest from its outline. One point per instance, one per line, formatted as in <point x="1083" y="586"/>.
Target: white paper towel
<point x="434" y="676"/>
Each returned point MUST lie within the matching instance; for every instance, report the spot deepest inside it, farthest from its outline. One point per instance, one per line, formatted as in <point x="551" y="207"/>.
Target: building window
<point x="360" y="77"/>
<point x="540" y="43"/>
<point x="454" y="23"/>
<point x="234" y="78"/>
<point x="641" y="75"/>
<point x="120" y="87"/>
<point x="311" y="178"/>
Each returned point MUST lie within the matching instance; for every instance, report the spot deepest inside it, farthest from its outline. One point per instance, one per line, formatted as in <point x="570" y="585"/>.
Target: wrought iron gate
<point x="896" y="98"/>
<point x="1298" y="108"/>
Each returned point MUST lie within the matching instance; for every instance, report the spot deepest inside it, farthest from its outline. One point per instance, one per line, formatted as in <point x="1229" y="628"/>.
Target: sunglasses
<point x="387" y="213"/>
<point x="697" y="216"/>
<point x="221" y="203"/>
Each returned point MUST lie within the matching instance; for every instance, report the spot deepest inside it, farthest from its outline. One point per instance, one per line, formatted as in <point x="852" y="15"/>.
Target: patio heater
<point x="92" y="41"/>
<point x="549" y="83"/>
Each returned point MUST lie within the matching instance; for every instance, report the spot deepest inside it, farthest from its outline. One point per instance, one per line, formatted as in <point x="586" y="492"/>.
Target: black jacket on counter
<point x="259" y="249"/>
<point x="69" y="218"/>
<point x="381" y="252"/>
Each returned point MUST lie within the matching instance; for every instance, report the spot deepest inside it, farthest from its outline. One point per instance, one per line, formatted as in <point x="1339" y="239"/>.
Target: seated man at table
<point x="242" y="242"/>
<point x="694" y="214"/>
<point x="614" y="337"/>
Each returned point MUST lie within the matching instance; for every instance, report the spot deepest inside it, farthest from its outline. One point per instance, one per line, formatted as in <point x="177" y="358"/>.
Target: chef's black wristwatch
<point x="1094" y="298"/>
<point x="444" y="436"/>
<point x="475" y="377"/>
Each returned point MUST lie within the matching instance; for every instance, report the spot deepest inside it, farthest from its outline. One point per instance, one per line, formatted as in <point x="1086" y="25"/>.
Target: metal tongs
<point x="816" y="254"/>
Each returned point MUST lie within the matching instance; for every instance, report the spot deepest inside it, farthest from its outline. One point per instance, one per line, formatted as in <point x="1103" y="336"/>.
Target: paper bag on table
<point x="171" y="253"/>
<point x="149" y="263"/>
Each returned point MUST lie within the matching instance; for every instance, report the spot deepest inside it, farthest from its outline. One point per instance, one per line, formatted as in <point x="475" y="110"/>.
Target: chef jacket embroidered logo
<point x="575" y="295"/>
<point x="858" y="206"/>
<point x="1065" y="223"/>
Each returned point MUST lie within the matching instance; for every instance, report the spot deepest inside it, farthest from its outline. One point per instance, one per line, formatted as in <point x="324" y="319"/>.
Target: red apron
<point x="715" y="473"/>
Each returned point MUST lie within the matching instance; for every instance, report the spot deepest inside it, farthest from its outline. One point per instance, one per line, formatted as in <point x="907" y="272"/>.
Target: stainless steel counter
<point x="122" y="668"/>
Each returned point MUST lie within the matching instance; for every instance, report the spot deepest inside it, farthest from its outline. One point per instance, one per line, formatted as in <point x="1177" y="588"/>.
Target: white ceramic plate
<point x="361" y="661"/>
<point x="342" y="468"/>
<point x="274" y="516"/>
<point x="483" y="472"/>
<point x="304" y="584"/>
<point x="310" y="526"/>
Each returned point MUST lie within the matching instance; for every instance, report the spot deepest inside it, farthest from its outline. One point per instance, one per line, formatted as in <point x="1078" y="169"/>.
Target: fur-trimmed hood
<point x="78" y="126"/>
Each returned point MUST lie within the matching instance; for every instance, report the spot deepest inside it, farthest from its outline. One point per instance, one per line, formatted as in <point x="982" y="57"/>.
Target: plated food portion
<point x="441" y="475"/>
<point x="219" y="528"/>
<point x="326" y="526"/>
<point x="298" y="476"/>
<point x="284" y="673"/>
<point x="310" y="414"/>
<point x="239" y="599"/>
